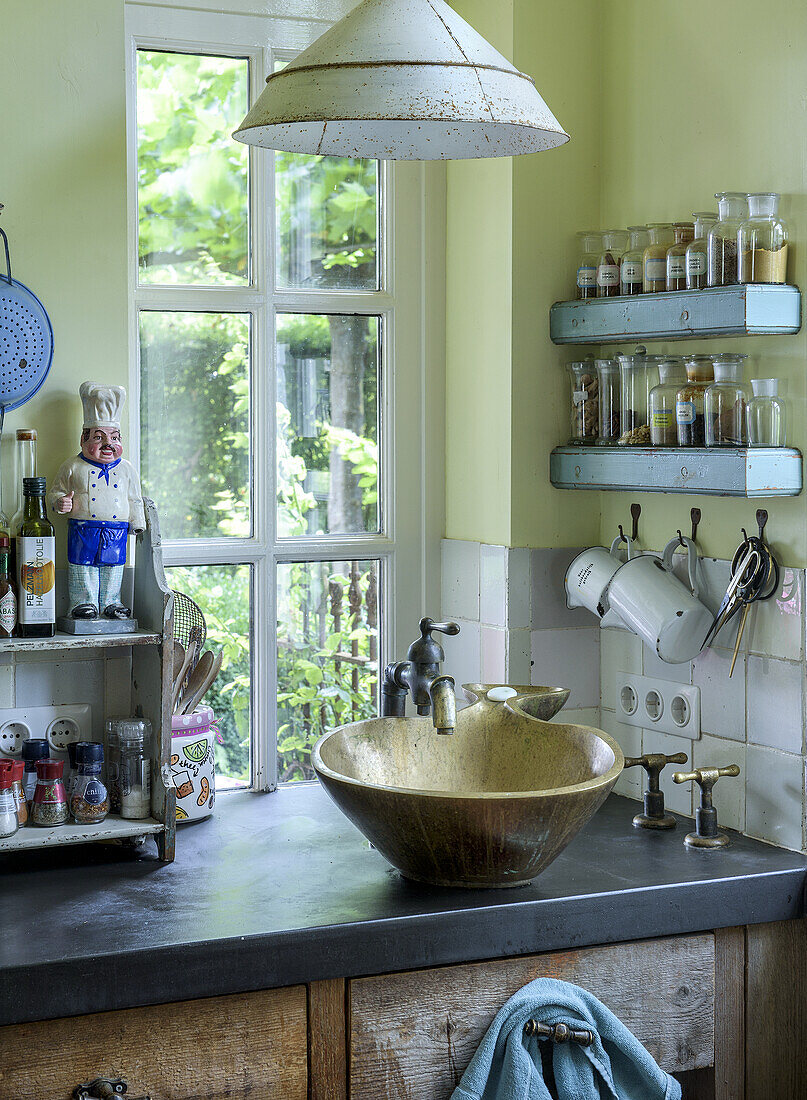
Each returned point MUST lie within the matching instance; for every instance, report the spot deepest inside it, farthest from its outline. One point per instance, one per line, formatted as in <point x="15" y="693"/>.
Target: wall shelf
<point x="740" y="472"/>
<point x="77" y="641"/>
<point x="112" y="828"/>
<point x="752" y="310"/>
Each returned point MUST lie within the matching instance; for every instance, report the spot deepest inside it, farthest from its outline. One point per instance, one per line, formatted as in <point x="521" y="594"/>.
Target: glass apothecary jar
<point x="725" y="403"/>
<point x="732" y="210"/>
<point x="638" y="374"/>
<point x="696" y="258"/>
<point x="689" y="415"/>
<point x="614" y="243"/>
<point x="762" y="241"/>
<point x="631" y="267"/>
<point x="589" y="246"/>
<point x="610" y="401"/>
<point x="684" y="234"/>
<point x="134" y="739"/>
<point x="585" y="408"/>
<point x="654" y="272"/>
<point x="662" y="399"/>
<point x="767" y="414"/>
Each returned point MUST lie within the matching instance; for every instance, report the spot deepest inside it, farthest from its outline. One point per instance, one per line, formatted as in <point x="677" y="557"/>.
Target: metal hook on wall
<point x="695" y="518"/>
<point x="635" y="512"/>
<point x="762" y="519"/>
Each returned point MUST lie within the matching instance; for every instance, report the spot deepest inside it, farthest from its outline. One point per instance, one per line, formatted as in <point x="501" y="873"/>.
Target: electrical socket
<point x="658" y="705"/>
<point x="60" y="725"/>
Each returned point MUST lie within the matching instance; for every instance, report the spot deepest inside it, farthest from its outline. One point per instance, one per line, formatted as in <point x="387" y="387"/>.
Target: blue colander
<point x="26" y="341"/>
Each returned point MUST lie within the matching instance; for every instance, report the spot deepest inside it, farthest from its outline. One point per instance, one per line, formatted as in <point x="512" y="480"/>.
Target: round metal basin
<point x="489" y="806"/>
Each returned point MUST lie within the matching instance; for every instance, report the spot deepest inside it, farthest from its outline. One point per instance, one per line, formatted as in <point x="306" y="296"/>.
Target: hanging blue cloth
<point x="508" y="1064"/>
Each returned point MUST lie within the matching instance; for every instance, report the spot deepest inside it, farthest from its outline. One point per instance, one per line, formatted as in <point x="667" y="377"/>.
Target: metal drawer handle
<point x="104" y="1088"/>
<point x="559" y="1033"/>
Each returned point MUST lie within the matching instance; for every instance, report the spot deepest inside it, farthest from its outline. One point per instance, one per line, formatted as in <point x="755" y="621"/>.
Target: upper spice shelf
<point x="78" y="641"/>
<point x="750" y="310"/>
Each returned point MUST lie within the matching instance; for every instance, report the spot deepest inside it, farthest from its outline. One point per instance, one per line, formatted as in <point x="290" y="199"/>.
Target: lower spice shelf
<point x="711" y="471"/>
<point x="112" y="828"/>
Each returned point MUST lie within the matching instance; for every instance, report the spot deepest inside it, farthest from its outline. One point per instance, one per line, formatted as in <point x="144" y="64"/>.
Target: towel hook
<point x="559" y="1033"/>
<point x="695" y="518"/>
<point x="635" y="511"/>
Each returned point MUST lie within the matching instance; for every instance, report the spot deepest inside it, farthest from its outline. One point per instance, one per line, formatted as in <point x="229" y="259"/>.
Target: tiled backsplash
<point x="515" y="627"/>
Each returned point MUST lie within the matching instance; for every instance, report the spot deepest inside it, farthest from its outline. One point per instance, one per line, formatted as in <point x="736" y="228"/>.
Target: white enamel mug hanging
<point x="588" y="575"/>
<point x="657" y="606"/>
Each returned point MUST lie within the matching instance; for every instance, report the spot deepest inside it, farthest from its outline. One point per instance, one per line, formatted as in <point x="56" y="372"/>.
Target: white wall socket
<point x="658" y="705"/>
<point x="60" y="725"/>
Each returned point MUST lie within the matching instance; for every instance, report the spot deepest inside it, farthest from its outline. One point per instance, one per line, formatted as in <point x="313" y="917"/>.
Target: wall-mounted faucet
<point x="420" y="675"/>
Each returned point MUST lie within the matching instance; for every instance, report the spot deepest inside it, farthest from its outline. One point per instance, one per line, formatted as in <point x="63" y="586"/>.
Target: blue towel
<point x="508" y="1064"/>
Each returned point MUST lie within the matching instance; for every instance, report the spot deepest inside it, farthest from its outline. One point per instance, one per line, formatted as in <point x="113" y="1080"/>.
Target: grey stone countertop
<point x="280" y="889"/>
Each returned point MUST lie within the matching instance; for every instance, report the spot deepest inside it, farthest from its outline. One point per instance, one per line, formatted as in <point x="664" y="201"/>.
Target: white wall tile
<point x="728" y="794"/>
<point x="464" y="655"/>
<point x="620" y="651"/>
<point x="722" y="699"/>
<point x="7" y="686"/>
<point x="568" y="658"/>
<point x="629" y="739"/>
<point x="677" y="796"/>
<point x="774" y="788"/>
<point x="652" y="665"/>
<point x="460" y="579"/>
<point x="549" y="608"/>
<point x="493" y="585"/>
<point x="519" y="588"/>
<point x="493" y="650"/>
<point x="581" y="716"/>
<point x="774" y="693"/>
<point x="41" y="683"/>
<point x="775" y="627"/>
<point x="519" y="657"/>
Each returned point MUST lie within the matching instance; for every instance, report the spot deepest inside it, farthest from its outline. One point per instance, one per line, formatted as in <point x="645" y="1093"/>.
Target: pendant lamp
<point x="401" y="80"/>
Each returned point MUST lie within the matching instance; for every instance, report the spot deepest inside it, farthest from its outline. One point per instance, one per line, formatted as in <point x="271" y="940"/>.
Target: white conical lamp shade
<point x="401" y="80"/>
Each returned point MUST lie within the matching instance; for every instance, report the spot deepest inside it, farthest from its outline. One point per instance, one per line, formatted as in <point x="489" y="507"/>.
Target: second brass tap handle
<point x="427" y="625"/>
<point x="705" y="777"/>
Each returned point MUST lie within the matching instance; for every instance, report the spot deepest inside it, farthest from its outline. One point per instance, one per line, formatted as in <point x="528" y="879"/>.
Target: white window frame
<point x="410" y="427"/>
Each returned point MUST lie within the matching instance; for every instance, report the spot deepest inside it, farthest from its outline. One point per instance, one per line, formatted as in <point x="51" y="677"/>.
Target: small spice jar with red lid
<point x="9" y="822"/>
<point x="49" y="807"/>
<point x="17" y="771"/>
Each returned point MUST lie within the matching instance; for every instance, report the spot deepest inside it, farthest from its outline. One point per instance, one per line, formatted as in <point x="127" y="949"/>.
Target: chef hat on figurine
<point x="102" y="404"/>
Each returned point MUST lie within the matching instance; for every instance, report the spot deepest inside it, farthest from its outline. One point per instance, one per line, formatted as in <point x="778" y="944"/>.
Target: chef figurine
<point x="100" y="492"/>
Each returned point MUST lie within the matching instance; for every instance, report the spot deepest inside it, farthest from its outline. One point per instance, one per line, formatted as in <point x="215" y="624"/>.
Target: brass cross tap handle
<point x="707" y="834"/>
<point x="654" y="816"/>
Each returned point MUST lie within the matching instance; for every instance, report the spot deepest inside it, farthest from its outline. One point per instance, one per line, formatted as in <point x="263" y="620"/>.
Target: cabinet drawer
<point x="413" y="1034"/>
<point x="247" y="1045"/>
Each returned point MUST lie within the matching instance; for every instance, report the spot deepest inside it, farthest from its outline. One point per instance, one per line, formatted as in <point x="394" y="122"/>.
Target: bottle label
<point x="36" y="574"/>
<point x="685" y="412"/>
<point x="607" y="275"/>
<point x="631" y="271"/>
<point x="655" y="269"/>
<point x="696" y="263"/>
<point x="676" y="267"/>
<point x="586" y="276"/>
<point x="662" y="418"/>
<point x="8" y="612"/>
<point x="93" y="794"/>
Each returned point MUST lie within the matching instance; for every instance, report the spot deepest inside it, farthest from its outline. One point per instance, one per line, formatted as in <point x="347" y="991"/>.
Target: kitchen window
<point x="274" y="368"/>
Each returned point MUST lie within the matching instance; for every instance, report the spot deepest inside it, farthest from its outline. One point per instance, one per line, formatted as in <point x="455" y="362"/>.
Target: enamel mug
<point x="588" y="576"/>
<point x="663" y="611"/>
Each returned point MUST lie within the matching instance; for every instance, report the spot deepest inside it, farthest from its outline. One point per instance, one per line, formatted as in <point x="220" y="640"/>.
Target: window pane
<point x="192" y="184"/>
<point x="326" y="212"/>
<point x="327" y="655"/>
<point x="223" y="594"/>
<point x="327" y="424"/>
<point x="194" y="418"/>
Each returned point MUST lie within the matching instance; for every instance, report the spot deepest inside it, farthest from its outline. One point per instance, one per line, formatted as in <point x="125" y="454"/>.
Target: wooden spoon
<point x="196" y="678"/>
<point x="214" y="667"/>
<point x="180" y="676"/>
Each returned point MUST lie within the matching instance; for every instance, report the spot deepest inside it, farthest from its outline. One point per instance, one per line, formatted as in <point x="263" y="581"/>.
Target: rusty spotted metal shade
<point x="489" y="806"/>
<point x="401" y="80"/>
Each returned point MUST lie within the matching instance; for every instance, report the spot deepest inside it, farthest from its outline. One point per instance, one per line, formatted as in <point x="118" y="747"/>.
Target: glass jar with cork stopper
<point x="689" y="400"/>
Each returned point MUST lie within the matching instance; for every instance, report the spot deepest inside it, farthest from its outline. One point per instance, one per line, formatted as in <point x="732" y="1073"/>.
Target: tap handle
<point x="705" y="777"/>
<point x="707" y="834"/>
<point x="427" y="625"/>
<point x="655" y="816"/>
<point x="653" y="762"/>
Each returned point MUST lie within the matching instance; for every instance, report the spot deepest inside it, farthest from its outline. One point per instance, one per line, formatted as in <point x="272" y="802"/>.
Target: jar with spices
<point x="17" y="772"/>
<point x="9" y="822"/>
<point x="689" y="401"/>
<point x="684" y="234"/>
<point x="33" y="750"/>
<point x="89" y="801"/>
<point x="613" y="245"/>
<point x="638" y="375"/>
<point x="113" y="763"/>
<point x="767" y="414"/>
<point x="697" y="267"/>
<point x="721" y="248"/>
<point x="654" y="271"/>
<point x="663" y="429"/>
<point x="631" y="267"/>
<point x="589" y="246"/>
<point x="585" y="413"/>
<point x="134" y="735"/>
<point x="49" y="806"/>
<point x="610" y="403"/>
<point x="725" y="403"/>
<point x="762" y="241"/>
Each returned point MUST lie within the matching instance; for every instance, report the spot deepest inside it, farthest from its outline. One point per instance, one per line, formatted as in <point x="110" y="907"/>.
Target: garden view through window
<point x="261" y="408"/>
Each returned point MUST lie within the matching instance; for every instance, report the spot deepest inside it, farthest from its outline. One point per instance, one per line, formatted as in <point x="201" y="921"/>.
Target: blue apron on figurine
<point x="96" y="542"/>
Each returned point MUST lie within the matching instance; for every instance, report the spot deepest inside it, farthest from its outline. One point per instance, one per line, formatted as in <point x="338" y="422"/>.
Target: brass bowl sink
<point x="490" y="805"/>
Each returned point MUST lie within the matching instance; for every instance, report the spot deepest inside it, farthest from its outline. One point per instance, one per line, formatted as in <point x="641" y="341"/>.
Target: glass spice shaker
<point x="767" y="414"/>
<point x="613" y="245"/>
<point x="689" y="401"/>
<point x="762" y="241"/>
<point x="684" y="234"/>
<point x="89" y="800"/>
<point x="17" y="771"/>
<point x="663" y="430"/>
<point x="725" y="403"/>
<point x="721" y="248"/>
<point x="696" y="251"/>
<point x="33" y="749"/>
<point x="654" y="271"/>
<point x="610" y="401"/>
<point x="589" y="247"/>
<point x="113" y="763"/>
<point x="638" y="375"/>
<point x="585" y="412"/>
<point x="49" y="807"/>
<point x="135" y="767"/>
<point x="9" y="822"/>
<point x="631" y="266"/>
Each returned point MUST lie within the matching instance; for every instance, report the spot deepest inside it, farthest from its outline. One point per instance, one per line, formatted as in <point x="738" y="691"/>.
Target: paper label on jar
<point x="696" y="263"/>
<point x="631" y="271"/>
<point x="8" y="612"/>
<point x="586" y="276"/>
<point x="579" y="397"/>
<point x="676" y="267"/>
<point x="663" y="418"/>
<point x="685" y="412"/>
<point x="655" y="269"/>
<point x="607" y="275"/>
<point x="36" y="576"/>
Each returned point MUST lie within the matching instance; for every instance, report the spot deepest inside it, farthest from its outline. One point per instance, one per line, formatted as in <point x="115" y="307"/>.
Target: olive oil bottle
<point x="36" y="565"/>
